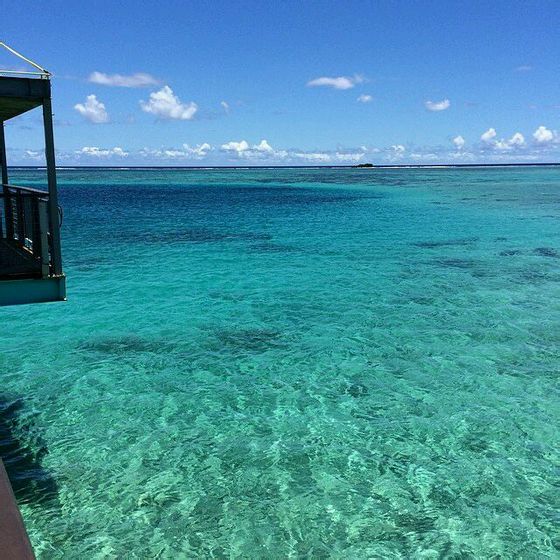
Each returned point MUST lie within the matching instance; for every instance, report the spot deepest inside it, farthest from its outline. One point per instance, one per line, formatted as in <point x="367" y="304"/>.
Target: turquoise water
<point x="293" y="364"/>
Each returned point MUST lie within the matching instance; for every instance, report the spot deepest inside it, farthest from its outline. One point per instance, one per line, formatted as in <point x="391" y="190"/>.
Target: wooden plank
<point x="14" y="542"/>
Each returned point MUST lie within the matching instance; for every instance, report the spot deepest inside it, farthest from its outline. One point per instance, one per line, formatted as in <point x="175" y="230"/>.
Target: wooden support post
<point x="20" y="217"/>
<point x="8" y="214"/>
<point x="51" y="179"/>
<point x="42" y="238"/>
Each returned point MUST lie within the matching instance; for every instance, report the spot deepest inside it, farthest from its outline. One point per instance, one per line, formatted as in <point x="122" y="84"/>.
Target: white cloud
<point x="514" y="149"/>
<point x="428" y="156"/>
<point x="314" y="157"/>
<point x="93" y="110"/>
<point x="489" y="135"/>
<point x="199" y="151"/>
<point x="365" y="98"/>
<point x="438" y="105"/>
<point x="225" y="106"/>
<point x="262" y="150"/>
<point x="94" y="151"/>
<point x="459" y="142"/>
<point x="341" y="82"/>
<point x="34" y="154"/>
<point x="395" y="153"/>
<point x="502" y="145"/>
<point x="133" y="81"/>
<point x="264" y="146"/>
<point x="166" y="105"/>
<point x="544" y="136"/>
<point x="238" y="147"/>
<point x="349" y="157"/>
<point x="462" y="155"/>
<point x="524" y="68"/>
<point x="517" y="139"/>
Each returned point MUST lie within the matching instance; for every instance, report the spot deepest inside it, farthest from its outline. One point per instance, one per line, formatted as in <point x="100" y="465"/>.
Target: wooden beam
<point x="14" y="542"/>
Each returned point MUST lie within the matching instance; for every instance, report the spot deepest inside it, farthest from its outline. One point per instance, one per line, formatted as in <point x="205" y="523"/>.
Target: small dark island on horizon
<point x="453" y="165"/>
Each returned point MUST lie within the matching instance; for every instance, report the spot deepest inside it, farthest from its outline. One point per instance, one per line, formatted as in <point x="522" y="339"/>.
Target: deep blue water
<point x="293" y="364"/>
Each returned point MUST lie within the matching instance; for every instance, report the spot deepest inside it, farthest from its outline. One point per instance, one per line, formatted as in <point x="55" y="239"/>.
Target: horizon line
<point x="355" y="166"/>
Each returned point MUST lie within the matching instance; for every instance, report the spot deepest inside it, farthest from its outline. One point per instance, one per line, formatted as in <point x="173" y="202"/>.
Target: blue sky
<point x="259" y="83"/>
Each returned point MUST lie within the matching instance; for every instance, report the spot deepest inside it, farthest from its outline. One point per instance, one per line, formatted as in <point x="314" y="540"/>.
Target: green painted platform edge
<point x="32" y="290"/>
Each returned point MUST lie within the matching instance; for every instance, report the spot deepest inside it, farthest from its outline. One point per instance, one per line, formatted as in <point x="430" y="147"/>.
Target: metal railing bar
<point x="5" y="72"/>
<point x="25" y="59"/>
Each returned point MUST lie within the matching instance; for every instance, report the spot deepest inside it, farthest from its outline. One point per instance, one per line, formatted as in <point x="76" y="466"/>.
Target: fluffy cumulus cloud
<point x="198" y="151"/>
<point x="542" y="146"/>
<point x="93" y="110"/>
<point x="544" y="135"/>
<point x="243" y="150"/>
<point x="349" y="157"/>
<point x="166" y="105"/>
<point x="395" y="153"/>
<point x="185" y="152"/>
<point x="365" y="98"/>
<point x="459" y="142"/>
<point x="36" y="155"/>
<point x="324" y="158"/>
<point x="436" y="106"/>
<point x="517" y="139"/>
<point x="95" y="152"/>
<point x="263" y="152"/>
<point x="238" y="147"/>
<point x="340" y="82"/>
<point x="489" y="135"/>
<point x="138" y="80"/>
<point x="315" y="158"/>
<point x="490" y="142"/>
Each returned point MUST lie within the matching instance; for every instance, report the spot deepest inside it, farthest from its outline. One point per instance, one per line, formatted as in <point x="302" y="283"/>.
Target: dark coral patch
<point x="22" y="451"/>
<point x="510" y="252"/>
<point x="255" y="340"/>
<point x="547" y="252"/>
<point x="446" y="243"/>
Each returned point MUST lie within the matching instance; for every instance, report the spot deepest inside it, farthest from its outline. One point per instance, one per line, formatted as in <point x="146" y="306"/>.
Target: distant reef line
<point x="356" y="166"/>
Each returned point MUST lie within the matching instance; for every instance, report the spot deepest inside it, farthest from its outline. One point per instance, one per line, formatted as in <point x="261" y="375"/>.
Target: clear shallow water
<point x="293" y="364"/>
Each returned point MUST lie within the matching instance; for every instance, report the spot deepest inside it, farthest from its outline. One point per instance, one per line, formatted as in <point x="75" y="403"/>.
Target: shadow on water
<point x="246" y="340"/>
<point x="125" y="345"/>
<point x="22" y="452"/>
<point x="446" y="243"/>
<point x="190" y="235"/>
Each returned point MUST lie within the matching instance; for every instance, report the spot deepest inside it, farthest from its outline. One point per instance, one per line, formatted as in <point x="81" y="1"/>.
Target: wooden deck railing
<point x="24" y="224"/>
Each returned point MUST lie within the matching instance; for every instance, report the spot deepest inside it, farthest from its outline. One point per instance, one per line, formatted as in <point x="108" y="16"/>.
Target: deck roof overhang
<point x="19" y="95"/>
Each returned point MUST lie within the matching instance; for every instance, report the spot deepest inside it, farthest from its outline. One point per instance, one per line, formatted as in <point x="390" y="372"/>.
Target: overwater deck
<point x="30" y="258"/>
<point x="30" y="219"/>
<point x="16" y="264"/>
